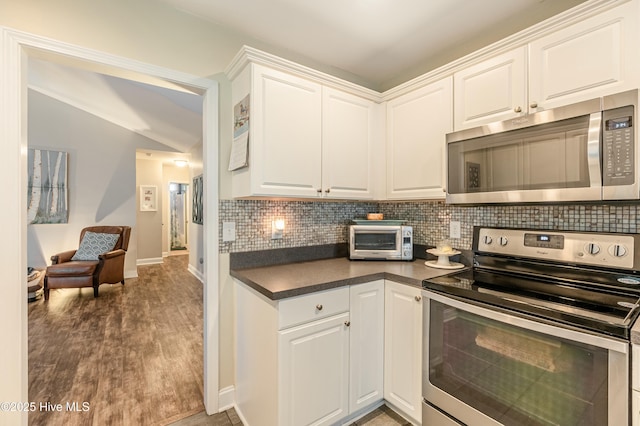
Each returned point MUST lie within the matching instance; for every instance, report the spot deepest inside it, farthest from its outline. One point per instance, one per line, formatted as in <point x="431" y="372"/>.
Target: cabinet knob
<point x="418" y="298"/>
<point x="517" y="109"/>
<point x="319" y="190"/>
<point x="328" y="190"/>
<point x="534" y="104"/>
<point x="347" y="323"/>
<point x="319" y="307"/>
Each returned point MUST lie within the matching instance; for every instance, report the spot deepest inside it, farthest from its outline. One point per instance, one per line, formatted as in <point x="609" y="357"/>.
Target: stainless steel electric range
<point x="537" y="332"/>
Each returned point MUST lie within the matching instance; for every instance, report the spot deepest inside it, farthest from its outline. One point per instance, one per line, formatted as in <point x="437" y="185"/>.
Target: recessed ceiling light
<point x="181" y="163"/>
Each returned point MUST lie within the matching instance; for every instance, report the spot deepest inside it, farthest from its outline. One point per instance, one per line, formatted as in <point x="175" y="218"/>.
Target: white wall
<point x="102" y="188"/>
<point x="149" y="223"/>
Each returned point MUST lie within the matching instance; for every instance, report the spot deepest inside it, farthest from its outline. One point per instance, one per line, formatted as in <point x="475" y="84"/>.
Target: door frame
<point x="15" y="49"/>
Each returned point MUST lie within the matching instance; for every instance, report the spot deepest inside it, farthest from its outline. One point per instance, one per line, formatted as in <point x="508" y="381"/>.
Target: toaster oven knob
<point x="503" y="241"/>
<point x="592" y="248"/>
<point x="617" y="250"/>
<point x="487" y="240"/>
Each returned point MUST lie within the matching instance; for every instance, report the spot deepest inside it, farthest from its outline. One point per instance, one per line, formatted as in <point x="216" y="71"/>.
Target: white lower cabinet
<point x="309" y="360"/>
<point x="314" y="372"/>
<point x="403" y="349"/>
<point x="366" y="345"/>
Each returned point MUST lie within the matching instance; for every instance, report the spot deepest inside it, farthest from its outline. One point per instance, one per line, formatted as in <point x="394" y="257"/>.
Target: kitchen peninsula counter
<point x="293" y="279"/>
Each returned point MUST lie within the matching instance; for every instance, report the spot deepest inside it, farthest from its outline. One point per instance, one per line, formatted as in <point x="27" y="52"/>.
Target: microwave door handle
<point x="593" y="150"/>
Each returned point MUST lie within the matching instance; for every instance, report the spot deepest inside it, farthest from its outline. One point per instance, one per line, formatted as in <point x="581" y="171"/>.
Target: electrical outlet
<point x="454" y="229"/>
<point x="228" y="231"/>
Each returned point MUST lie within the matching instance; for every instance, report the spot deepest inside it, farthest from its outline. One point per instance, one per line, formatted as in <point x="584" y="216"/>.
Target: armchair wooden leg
<point x="122" y="282"/>
<point x="46" y="289"/>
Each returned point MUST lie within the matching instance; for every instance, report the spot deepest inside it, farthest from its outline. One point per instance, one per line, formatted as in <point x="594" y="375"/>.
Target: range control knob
<point x="503" y="241"/>
<point x="487" y="240"/>
<point x="617" y="250"/>
<point x="592" y="248"/>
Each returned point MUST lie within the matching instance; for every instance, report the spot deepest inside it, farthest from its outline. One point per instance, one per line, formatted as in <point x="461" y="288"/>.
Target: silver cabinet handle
<point x="418" y="298"/>
<point x="534" y="105"/>
<point x="347" y="323"/>
<point x="517" y="109"/>
<point x="319" y="307"/>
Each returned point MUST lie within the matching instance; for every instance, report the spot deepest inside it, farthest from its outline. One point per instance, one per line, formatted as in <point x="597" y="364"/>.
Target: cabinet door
<point x="366" y="349"/>
<point x="285" y="134"/>
<point x="492" y="90"/>
<point x="417" y="124"/>
<point x="595" y="57"/>
<point x="403" y="348"/>
<point x="348" y="128"/>
<point x="314" y="372"/>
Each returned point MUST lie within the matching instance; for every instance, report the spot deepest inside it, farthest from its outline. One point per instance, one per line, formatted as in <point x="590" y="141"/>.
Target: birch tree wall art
<point x="47" y="187"/>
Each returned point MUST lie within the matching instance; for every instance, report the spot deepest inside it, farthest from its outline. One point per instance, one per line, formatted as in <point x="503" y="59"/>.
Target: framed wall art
<point x="196" y="208"/>
<point x="148" y="198"/>
<point x="47" y="199"/>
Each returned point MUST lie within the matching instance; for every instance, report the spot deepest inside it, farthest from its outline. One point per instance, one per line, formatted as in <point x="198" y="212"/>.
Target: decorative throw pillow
<point x="94" y="244"/>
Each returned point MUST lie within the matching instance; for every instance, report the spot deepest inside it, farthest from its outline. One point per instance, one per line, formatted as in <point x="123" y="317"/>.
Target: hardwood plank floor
<point x="132" y="356"/>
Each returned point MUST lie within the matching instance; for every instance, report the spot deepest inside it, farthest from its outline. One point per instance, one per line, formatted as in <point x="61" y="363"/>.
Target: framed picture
<point x="47" y="199"/>
<point x="196" y="208"/>
<point x="148" y="198"/>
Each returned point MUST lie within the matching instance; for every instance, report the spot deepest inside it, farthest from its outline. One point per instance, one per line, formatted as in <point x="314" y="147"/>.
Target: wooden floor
<point x="132" y="356"/>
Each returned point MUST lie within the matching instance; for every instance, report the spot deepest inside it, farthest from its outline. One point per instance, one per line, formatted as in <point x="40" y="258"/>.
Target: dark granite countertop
<point x="294" y="279"/>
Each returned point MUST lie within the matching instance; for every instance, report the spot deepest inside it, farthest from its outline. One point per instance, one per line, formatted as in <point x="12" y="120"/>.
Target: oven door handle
<point x="513" y="319"/>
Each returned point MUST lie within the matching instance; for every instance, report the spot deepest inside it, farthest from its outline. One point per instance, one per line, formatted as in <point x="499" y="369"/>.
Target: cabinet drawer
<point x="310" y="307"/>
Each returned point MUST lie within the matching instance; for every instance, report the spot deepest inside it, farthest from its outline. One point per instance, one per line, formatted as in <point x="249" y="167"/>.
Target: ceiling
<point x="383" y="42"/>
<point x="380" y="43"/>
<point x="170" y="116"/>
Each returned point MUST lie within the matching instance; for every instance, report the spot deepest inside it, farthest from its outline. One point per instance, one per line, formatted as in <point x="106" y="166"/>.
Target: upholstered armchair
<point x="99" y="259"/>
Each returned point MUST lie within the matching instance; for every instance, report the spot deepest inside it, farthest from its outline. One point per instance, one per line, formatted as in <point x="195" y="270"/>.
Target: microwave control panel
<point x="618" y="146"/>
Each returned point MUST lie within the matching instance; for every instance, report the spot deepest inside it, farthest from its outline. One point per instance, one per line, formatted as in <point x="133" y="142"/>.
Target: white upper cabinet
<point x="305" y="140"/>
<point x="417" y="123"/>
<point x="493" y="90"/>
<point x="595" y="57"/>
<point x="349" y="154"/>
<point x="285" y="129"/>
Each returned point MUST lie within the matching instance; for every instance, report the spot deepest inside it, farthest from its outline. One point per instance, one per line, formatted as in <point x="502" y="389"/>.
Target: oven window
<point x="514" y="375"/>
<point x="375" y="240"/>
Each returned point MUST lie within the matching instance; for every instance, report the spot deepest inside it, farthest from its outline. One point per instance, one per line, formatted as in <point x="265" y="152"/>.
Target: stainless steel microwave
<point x="381" y="242"/>
<point x="582" y="152"/>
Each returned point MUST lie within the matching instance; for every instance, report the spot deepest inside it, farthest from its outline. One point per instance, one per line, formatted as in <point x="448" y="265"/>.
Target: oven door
<point x="488" y="367"/>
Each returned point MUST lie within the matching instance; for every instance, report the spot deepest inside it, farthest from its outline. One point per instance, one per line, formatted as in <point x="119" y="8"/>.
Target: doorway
<point x="17" y="47"/>
<point x="178" y="216"/>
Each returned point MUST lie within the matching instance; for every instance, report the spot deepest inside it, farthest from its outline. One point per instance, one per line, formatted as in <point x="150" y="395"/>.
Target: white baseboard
<point x="149" y="261"/>
<point x="226" y="398"/>
<point x="132" y="273"/>
<point x="200" y="276"/>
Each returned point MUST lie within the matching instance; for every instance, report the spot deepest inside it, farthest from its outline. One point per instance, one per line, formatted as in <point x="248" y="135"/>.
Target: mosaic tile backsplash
<point x="313" y="223"/>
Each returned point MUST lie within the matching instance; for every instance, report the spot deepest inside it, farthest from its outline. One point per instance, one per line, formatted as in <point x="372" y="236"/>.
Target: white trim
<point x="15" y="47"/>
<point x="194" y="271"/>
<point x="227" y="398"/>
<point x="150" y="261"/>
<point x="131" y="273"/>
